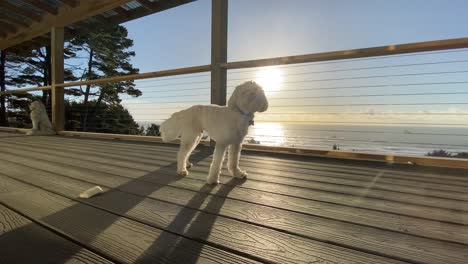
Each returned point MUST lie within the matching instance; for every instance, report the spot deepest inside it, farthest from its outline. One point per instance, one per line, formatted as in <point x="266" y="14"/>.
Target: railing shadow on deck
<point x="181" y="241"/>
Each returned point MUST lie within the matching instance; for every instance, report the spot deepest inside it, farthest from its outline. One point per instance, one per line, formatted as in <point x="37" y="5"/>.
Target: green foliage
<point x="102" y="53"/>
<point x="107" y="118"/>
<point x="446" y="154"/>
<point x="439" y="153"/>
<point x="152" y="130"/>
<point x="18" y="113"/>
<point x="107" y="54"/>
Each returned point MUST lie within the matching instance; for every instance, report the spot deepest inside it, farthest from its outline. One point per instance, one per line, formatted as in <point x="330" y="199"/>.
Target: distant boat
<point x="406" y="131"/>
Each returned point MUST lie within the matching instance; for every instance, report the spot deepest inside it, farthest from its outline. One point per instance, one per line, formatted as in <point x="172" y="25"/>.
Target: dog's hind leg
<point x="187" y="144"/>
<point x="216" y="164"/>
<point x="233" y="161"/>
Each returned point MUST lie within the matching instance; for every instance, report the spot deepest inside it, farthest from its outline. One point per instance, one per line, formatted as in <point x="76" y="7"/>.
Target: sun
<point x="269" y="78"/>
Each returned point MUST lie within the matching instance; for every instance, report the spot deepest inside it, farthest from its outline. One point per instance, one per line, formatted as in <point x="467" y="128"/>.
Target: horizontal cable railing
<point x="404" y="99"/>
<point x="407" y="105"/>
<point x="139" y="114"/>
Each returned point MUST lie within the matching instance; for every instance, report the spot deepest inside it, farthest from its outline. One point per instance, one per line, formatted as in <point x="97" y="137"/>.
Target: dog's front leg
<point x="233" y="161"/>
<point x="35" y="127"/>
<point x="217" y="163"/>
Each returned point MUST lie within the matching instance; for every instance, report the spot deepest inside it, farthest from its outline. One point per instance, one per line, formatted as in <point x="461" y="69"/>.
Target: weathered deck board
<point x="396" y="245"/>
<point x="374" y="218"/>
<point x="22" y="241"/>
<point x="313" y="181"/>
<point x="290" y="210"/>
<point x="359" y="199"/>
<point x="299" y="161"/>
<point x="260" y="242"/>
<point x="123" y="239"/>
<point x="271" y="164"/>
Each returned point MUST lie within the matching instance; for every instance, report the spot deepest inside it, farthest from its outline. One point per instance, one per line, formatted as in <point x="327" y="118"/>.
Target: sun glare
<point x="268" y="133"/>
<point x="270" y="79"/>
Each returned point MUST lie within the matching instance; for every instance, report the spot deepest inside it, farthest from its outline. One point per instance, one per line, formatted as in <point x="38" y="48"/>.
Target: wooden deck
<point x="291" y="209"/>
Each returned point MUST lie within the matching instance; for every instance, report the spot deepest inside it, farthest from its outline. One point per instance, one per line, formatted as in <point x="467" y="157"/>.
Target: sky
<point x="180" y="37"/>
<point x="323" y="92"/>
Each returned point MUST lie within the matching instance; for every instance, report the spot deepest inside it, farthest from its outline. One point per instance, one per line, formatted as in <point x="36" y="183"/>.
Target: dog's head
<point x="37" y="106"/>
<point x="248" y="97"/>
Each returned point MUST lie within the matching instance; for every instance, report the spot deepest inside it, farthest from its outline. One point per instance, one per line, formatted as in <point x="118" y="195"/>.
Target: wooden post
<point x="57" y="61"/>
<point x="3" y="118"/>
<point x="219" y="20"/>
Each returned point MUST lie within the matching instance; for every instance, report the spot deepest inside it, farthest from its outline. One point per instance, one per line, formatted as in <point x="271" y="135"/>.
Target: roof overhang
<point x="25" y="24"/>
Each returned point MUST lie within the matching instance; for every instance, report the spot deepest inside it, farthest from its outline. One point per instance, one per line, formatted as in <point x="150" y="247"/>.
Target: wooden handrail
<point x="325" y="56"/>
<point x="139" y="76"/>
<point x="354" y="53"/>
<point x="25" y="90"/>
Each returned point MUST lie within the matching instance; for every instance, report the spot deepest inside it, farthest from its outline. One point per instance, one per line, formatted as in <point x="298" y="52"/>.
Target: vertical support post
<point x="3" y="119"/>
<point x="219" y="26"/>
<point x="57" y="61"/>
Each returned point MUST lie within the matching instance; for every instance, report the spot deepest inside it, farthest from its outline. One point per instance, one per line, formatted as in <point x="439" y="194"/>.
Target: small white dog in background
<point x="40" y="120"/>
<point x="227" y="125"/>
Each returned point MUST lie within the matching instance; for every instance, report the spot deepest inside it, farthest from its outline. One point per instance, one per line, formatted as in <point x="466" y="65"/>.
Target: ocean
<point x="380" y="139"/>
<point x="388" y="139"/>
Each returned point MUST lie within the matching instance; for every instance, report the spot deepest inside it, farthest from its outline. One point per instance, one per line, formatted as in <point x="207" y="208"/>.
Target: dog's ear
<point x="232" y="103"/>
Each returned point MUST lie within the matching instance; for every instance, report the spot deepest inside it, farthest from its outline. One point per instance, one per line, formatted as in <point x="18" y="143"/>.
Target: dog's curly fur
<point x="40" y="120"/>
<point x="227" y="125"/>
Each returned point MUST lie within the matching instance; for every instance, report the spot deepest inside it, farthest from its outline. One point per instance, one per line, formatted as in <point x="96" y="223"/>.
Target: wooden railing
<point x="440" y="45"/>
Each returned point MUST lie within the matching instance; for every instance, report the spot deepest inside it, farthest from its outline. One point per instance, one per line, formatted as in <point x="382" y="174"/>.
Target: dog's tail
<point x="170" y="128"/>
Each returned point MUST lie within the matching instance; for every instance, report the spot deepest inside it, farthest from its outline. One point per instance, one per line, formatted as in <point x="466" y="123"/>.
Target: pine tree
<point x="107" y="54"/>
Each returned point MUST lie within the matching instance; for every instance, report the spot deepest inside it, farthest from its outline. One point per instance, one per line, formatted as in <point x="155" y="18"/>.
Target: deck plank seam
<point x="103" y="155"/>
<point x="58" y="231"/>
<point x="289" y="185"/>
<point x="286" y="195"/>
<point x="219" y="246"/>
<point x="174" y="151"/>
<point x="252" y="223"/>
<point x="243" y="254"/>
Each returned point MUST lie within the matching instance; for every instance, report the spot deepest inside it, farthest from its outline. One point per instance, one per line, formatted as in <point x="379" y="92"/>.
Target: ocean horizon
<point x="378" y="139"/>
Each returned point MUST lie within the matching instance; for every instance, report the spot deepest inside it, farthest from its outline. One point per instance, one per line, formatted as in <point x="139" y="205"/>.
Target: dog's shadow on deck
<point x="86" y="224"/>
<point x="192" y="224"/>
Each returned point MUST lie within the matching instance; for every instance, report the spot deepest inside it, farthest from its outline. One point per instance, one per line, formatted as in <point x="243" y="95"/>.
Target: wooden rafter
<point x="43" y="6"/>
<point x="9" y="28"/>
<point x="150" y="5"/>
<point x="70" y="3"/>
<point x="121" y="11"/>
<point x="146" y="4"/>
<point x="14" y="21"/>
<point x="33" y="18"/>
<point x="100" y="19"/>
<point x="66" y="16"/>
<point x="21" y="11"/>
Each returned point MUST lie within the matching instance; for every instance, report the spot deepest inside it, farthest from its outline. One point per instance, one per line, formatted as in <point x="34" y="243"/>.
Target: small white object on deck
<point x="91" y="192"/>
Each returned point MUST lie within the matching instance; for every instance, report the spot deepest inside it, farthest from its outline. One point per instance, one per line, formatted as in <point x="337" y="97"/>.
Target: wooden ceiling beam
<point x="14" y="21"/>
<point x="151" y="5"/>
<point x="66" y="16"/>
<point x="21" y="11"/>
<point x="146" y="4"/>
<point x="121" y="11"/>
<point x="70" y="3"/>
<point x="9" y="28"/>
<point x="43" y="6"/>
<point x="101" y="19"/>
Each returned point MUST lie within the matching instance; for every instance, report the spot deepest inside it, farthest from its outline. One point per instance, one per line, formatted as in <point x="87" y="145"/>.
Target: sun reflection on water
<point x="266" y="133"/>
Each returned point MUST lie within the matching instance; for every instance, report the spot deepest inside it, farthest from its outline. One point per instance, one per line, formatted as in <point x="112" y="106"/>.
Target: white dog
<point x="40" y="120"/>
<point x="227" y="125"/>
